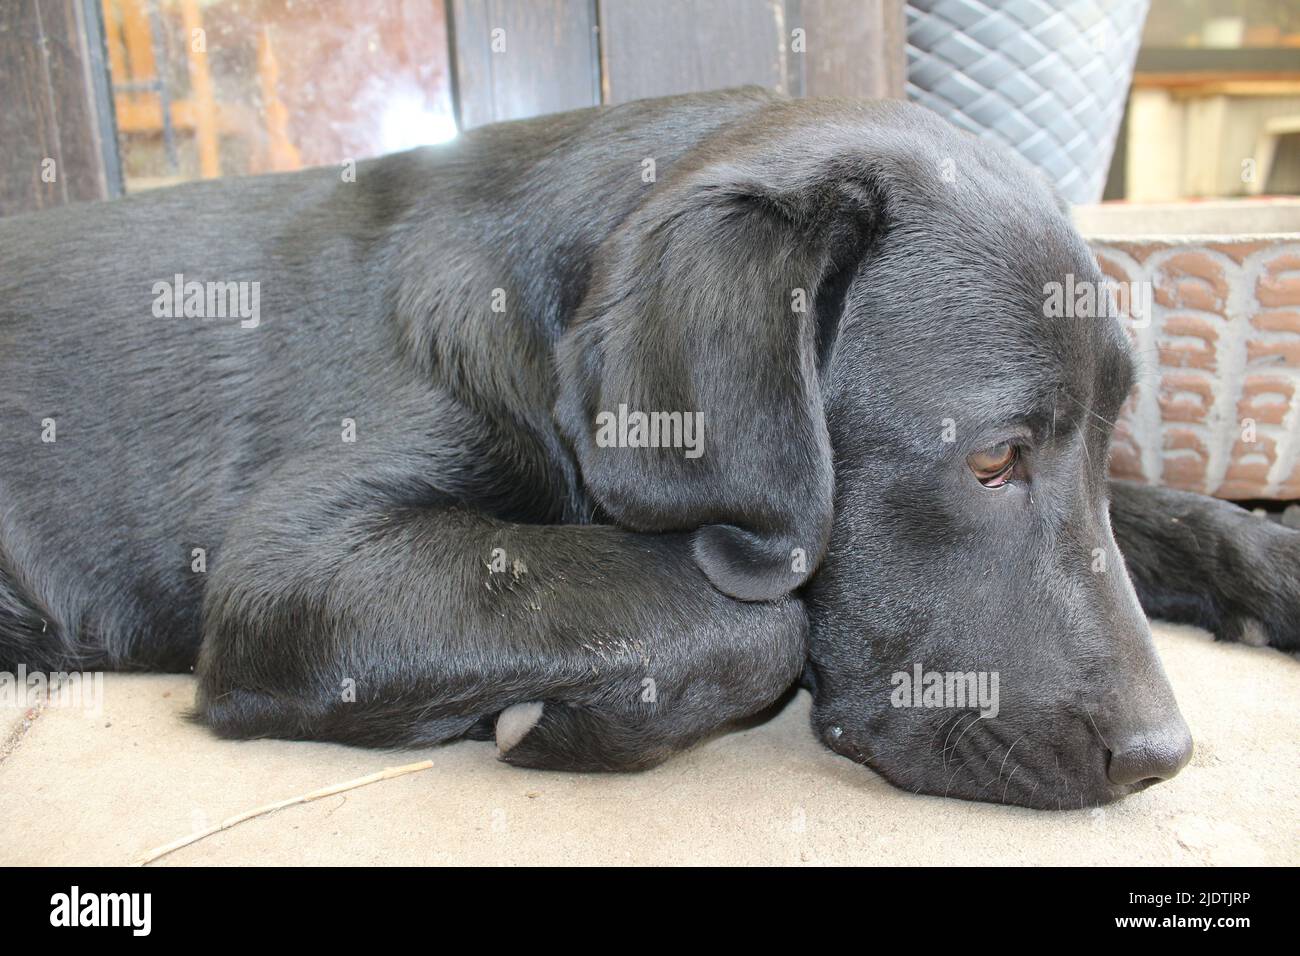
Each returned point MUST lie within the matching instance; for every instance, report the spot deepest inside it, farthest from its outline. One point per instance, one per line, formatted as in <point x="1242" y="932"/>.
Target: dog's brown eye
<point x="992" y="466"/>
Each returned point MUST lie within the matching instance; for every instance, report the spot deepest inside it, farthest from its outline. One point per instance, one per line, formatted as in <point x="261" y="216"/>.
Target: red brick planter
<point x="1218" y="407"/>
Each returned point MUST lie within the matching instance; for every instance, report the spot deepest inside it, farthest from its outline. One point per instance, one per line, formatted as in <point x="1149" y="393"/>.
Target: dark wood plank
<point x="75" y="69"/>
<point x="851" y="48"/>
<point x="549" y="63"/>
<point x="680" y="46"/>
<point x="52" y="108"/>
<point x="27" y="131"/>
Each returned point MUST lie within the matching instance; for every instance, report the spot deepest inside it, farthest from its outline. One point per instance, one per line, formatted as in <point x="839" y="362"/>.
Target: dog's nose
<point x="1151" y="756"/>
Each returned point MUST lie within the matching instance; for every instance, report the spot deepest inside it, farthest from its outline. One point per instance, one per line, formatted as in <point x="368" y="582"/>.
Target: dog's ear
<point x="714" y="305"/>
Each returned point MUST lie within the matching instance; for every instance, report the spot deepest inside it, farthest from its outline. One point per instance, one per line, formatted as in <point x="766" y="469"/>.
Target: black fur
<point x="474" y="548"/>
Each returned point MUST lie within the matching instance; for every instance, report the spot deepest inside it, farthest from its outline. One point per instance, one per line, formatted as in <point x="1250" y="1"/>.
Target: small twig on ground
<point x="385" y="774"/>
<point x="10" y="743"/>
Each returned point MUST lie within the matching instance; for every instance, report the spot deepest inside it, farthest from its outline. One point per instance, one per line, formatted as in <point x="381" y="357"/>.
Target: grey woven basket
<point x="1047" y="78"/>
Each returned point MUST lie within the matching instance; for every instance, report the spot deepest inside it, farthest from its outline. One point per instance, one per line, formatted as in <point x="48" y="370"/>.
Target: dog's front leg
<point x="338" y="611"/>
<point x="1198" y="560"/>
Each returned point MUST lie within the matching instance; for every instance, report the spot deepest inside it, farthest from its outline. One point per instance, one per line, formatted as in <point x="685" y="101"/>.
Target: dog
<point x="595" y="433"/>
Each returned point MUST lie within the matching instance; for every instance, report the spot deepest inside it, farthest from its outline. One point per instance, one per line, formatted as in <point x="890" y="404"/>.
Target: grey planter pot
<point x="1047" y="77"/>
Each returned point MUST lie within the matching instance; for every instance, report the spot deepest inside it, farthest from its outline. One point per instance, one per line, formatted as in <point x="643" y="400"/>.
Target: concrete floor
<point x="79" y="789"/>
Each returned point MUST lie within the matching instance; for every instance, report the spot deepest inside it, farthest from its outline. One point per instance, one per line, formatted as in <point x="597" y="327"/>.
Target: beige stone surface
<point x="102" y="789"/>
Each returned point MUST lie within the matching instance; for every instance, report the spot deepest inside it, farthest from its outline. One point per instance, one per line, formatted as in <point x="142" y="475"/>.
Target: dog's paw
<point x="514" y="723"/>
<point x="555" y="736"/>
<point x="1262" y="605"/>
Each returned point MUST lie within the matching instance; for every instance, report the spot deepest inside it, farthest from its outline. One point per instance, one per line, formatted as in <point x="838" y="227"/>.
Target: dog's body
<point x="378" y="511"/>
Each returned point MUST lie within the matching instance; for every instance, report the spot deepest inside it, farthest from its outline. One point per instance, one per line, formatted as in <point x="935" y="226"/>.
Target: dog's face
<point x="919" y="452"/>
<point x="974" y="632"/>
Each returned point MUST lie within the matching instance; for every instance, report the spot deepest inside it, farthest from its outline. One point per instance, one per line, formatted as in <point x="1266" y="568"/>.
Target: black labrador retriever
<point x="599" y="431"/>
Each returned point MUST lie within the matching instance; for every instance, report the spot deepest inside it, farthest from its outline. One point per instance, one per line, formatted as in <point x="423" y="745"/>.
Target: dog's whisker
<point x="1095" y="414"/>
<point x="1096" y="729"/>
<point x="945" y="723"/>
<point x="977" y="719"/>
<point x="944" y="750"/>
<point x="1009" y="749"/>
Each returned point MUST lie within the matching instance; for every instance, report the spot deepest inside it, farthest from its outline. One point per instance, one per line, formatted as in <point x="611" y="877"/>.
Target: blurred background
<point x="1119" y="98"/>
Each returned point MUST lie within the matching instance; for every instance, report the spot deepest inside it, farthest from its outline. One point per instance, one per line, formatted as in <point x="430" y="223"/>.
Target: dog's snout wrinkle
<point x="1151" y="757"/>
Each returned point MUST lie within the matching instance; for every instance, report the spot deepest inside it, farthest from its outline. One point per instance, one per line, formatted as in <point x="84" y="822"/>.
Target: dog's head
<point x="895" y="427"/>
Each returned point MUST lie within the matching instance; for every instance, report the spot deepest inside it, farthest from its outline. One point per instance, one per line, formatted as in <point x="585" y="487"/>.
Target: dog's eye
<point x="993" y="466"/>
